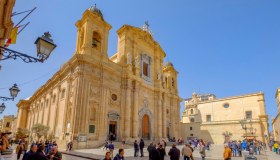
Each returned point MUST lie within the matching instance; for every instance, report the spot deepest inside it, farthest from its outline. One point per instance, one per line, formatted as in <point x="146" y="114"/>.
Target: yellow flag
<point x="13" y="35"/>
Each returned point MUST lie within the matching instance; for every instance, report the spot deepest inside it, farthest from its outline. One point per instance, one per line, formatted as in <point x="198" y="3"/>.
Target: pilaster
<point x="135" y="110"/>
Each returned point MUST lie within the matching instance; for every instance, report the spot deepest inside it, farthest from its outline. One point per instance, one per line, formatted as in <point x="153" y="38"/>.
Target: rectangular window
<point x="248" y="114"/>
<point x="190" y="128"/>
<point x="63" y="94"/>
<point x="146" y="69"/>
<point x="191" y="135"/>
<point x="208" y="118"/>
<point x="8" y="124"/>
<point x="91" y="128"/>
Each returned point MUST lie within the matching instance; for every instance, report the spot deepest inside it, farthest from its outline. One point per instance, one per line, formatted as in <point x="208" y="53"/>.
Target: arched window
<point x="96" y="40"/>
<point x="191" y="111"/>
<point x="172" y="82"/>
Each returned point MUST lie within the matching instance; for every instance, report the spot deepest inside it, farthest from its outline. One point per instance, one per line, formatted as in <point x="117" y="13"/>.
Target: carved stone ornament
<point x="128" y="58"/>
<point x="146" y="103"/>
<point x="147" y="111"/>
<point x="114" y="116"/>
<point x="158" y="76"/>
<point x="93" y="91"/>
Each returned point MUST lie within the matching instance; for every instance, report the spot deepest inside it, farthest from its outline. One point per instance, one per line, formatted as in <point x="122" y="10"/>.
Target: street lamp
<point x="44" y="45"/>
<point x="243" y="124"/>
<point x="13" y="92"/>
<point x="2" y="108"/>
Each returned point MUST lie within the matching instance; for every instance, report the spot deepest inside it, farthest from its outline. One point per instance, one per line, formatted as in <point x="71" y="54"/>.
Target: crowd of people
<point x="274" y="146"/>
<point x="47" y="150"/>
<point x="157" y="151"/>
<point x="235" y="148"/>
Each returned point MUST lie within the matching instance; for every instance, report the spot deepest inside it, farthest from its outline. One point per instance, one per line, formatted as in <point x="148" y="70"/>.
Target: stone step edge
<point x="76" y="155"/>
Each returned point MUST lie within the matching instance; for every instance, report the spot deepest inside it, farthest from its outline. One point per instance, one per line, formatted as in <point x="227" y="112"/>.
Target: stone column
<point x="164" y="116"/>
<point x="19" y="120"/>
<point x="128" y="110"/>
<point x="159" y="116"/>
<point x="57" y="110"/>
<point x="135" y="111"/>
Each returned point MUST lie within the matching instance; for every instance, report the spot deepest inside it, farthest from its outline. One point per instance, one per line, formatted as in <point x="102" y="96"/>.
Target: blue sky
<point x="222" y="47"/>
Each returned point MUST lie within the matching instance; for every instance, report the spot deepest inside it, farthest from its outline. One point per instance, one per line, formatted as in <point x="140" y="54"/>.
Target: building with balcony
<point x="221" y="120"/>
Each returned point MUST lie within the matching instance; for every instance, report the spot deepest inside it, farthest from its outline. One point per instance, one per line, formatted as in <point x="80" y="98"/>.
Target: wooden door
<point x="145" y="127"/>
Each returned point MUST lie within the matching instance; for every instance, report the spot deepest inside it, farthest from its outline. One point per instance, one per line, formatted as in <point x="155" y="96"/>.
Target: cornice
<point x="233" y="97"/>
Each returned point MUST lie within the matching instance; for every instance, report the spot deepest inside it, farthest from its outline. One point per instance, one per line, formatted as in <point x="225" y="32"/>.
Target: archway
<point x="146" y="127"/>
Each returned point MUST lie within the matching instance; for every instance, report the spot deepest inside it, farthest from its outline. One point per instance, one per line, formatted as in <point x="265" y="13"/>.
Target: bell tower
<point x="93" y="31"/>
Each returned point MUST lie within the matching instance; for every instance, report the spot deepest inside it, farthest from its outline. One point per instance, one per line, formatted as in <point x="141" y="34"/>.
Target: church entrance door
<point x="112" y="130"/>
<point x="146" y="127"/>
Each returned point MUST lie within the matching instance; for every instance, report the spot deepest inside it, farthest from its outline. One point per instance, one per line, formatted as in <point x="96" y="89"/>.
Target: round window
<point x="226" y="105"/>
<point x="114" y="97"/>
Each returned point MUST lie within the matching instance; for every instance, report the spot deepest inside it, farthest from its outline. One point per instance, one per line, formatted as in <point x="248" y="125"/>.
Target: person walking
<point x="227" y="152"/>
<point x="111" y="148"/>
<point x="275" y="147"/>
<point x="55" y="155"/>
<point x="234" y="149"/>
<point x="19" y="150"/>
<point x="161" y="152"/>
<point x="239" y="147"/>
<point x="244" y="145"/>
<point x="186" y="152"/>
<point x="201" y="148"/>
<point x="174" y="153"/>
<point x="39" y="155"/>
<point x="33" y="150"/>
<point x="136" y="148"/>
<point x="120" y="155"/>
<point x="106" y="145"/>
<point x="107" y="156"/>
<point x="123" y="143"/>
<point x="153" y="152"/>
<point x="141" y="146"/>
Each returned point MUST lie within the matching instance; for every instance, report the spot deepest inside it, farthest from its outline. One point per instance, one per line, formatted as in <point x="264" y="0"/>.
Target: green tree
<point x="40" y="130"/>
<point x="22" y="133"/>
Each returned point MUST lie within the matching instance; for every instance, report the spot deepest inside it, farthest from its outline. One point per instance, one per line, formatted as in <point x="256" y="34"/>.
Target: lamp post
<point x="243" y="124"/>
<point x="2" y="108"/>
<point x="44" y="45"/>
<point x="13" y="92"/>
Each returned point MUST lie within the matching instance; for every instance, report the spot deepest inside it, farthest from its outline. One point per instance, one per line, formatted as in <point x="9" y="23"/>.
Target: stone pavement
<point x="215" y="153"/>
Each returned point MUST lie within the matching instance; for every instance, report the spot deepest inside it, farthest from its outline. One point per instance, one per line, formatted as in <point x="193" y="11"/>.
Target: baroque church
<point x="130" y="95"/>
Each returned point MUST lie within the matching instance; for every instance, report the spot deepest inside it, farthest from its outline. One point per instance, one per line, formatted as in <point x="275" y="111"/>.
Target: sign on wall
<point x="82" y="138"/>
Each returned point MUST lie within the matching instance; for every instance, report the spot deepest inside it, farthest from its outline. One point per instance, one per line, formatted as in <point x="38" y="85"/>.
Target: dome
<point x="95" y="10"/>
<point x="169" y="64"/>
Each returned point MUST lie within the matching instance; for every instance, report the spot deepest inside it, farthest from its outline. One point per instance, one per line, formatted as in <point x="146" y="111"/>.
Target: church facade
<point x="225" y="119"/>
<point x="93" y="97"/>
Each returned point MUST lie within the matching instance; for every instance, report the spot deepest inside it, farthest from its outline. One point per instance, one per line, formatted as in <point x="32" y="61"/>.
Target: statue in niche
<point x="146" y="102"/>
<point x="128" y="58"/>
<point x="158" y="76"/>
<point x="137" y="62"/>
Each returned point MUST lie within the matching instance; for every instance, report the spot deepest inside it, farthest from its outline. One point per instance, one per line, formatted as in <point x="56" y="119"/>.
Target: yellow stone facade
<point x="130" y="95"/>
<point x="6" y="23"/>
<point x="7" y="123"/>
<point x="219" y="120"/>
<point x="276" y="120"/>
